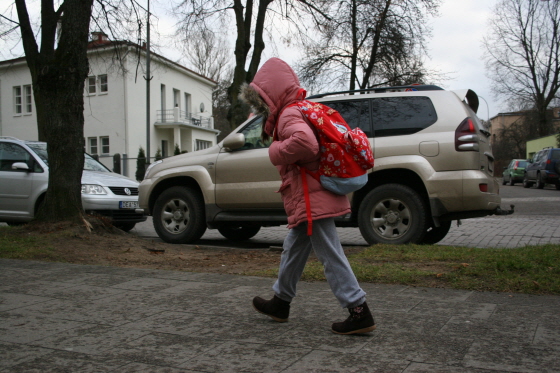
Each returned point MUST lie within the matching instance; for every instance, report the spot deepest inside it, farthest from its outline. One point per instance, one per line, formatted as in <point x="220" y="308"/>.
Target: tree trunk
<point x="239" y="111"/>
<point x="58" y="77"/>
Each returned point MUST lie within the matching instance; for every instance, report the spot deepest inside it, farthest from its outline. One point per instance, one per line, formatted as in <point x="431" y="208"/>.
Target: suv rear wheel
<point x="392" y="214"/>
<point x="239" y="232"/>
<point x="540" y="181"/>
<point x="178" y="215"/>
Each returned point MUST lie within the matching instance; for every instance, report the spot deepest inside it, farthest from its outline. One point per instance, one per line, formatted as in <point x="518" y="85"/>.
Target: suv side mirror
<point x="234" y="141"/>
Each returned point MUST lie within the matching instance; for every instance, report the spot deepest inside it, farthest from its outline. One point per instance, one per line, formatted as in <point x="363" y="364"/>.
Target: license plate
<point x="128" y="204"/>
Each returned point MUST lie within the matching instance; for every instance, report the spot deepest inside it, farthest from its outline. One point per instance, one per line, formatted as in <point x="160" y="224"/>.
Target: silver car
<point x="24" y="174"/>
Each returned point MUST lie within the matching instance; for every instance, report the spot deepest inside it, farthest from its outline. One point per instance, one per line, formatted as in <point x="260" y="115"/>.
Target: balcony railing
<point x="180" y="116"/>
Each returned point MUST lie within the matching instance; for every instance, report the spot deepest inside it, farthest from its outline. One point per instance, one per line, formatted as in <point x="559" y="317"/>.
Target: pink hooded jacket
<point x="296" y="145"/>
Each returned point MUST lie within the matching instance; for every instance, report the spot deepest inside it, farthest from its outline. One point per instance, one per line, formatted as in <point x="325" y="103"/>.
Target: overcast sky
<point x="456" y="47"/>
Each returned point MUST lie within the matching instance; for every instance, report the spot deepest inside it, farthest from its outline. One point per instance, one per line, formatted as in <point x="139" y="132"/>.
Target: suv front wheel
<point x="392" y="214"/>
<point x="178" y="215"/>
<point x="526" y="182"/>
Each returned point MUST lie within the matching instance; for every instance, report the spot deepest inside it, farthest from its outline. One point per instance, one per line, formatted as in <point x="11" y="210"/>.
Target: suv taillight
<point x="466" y="138"/>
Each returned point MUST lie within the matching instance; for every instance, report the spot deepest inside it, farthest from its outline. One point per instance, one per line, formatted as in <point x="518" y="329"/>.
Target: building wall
<point x="120" y="113"/>
<point x="22" y="126"/>
<point x="535" y="145"/>
<point x="105" y="112"/>
<point x="500" y="122"/>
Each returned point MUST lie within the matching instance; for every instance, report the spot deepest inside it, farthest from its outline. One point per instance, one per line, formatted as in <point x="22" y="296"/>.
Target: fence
<point x="120" y="164"/>
<point x="180" y="116"/>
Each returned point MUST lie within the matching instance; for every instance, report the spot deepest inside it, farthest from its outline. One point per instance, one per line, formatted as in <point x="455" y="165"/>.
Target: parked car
<point x="24" y="174"/>
<point x="433" y="165"/>
<point x="543" y="168"/>
<point x="514" y="172"/>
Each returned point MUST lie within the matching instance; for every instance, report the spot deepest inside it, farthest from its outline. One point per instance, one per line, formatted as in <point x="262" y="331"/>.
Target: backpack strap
<point x="303" y="171"/>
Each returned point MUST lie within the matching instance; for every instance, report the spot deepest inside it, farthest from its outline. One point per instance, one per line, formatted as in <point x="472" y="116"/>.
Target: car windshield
<point x="522" y="164"/>
<point x="41" y="150"/>
<point x="90" y="164"/>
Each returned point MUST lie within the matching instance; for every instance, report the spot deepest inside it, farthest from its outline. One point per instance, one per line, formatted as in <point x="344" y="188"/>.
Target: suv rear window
<point x="393" y="116"/>
<point x="355" y="113"/>
<point x="555" y="154"/>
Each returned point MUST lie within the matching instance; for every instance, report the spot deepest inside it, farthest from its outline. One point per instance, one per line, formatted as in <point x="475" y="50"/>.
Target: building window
<point x="92" y="145"/>
<point x="18" y="106"/>
<point x="103" y="85"/>
<point x="104" y="145"/>
<point x="28" y="102"/>
<point x="188" y="103"/>
<point x="203" y="144"/>
<point x="92" y="85"/>
<point x="176" y="98"/>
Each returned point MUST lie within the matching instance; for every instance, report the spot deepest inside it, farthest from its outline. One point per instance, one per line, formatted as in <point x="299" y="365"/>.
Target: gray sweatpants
<point x="326" y="244"/>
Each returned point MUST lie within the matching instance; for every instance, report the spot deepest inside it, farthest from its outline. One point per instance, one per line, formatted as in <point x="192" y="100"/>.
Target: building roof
<point x="101" y="42"/>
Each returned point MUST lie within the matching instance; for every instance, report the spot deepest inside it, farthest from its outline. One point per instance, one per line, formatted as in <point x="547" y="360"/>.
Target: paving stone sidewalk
<point x="73" y="318"/>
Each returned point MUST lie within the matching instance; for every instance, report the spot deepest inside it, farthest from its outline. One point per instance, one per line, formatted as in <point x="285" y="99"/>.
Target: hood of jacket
<point x="278" y="85"/>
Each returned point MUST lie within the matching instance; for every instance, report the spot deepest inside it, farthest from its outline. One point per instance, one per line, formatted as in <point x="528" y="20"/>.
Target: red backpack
<point x="346" y="154"/>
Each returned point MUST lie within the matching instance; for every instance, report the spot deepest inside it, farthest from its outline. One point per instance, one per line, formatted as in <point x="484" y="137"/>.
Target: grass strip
<point x="529" y="270"/>
<point x="27" y="248"/>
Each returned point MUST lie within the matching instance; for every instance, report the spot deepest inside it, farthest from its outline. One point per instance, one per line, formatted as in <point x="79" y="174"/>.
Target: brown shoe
<point x="276" y="308"/>
<point x="360" y="321"/>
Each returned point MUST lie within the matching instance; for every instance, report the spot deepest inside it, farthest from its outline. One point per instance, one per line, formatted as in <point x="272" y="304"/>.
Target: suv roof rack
<point x="9" y="138"/>
<point x="419" y="87"/>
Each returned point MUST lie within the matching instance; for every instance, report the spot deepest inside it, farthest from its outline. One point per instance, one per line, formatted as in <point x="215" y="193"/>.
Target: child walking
<point x="295" y="145"/>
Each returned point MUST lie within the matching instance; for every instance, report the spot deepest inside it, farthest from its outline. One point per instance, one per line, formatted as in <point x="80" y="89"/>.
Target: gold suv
<point x="433" y="165"/>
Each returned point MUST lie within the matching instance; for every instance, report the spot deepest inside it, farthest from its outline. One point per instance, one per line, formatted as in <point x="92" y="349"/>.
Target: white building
<point x="115" y="104"/>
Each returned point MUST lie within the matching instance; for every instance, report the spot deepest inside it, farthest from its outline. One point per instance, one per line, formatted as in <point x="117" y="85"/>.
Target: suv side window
<point x="393" y="116"/>
<point x="252" y="133"/>
<point x="355" y="112"/>
<point x="11" y="153"/>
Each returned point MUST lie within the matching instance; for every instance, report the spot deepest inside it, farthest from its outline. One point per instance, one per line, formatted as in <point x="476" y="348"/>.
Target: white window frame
<point x="103" y="84"/>
<point x="202" y="144"/>
<point x="28" y="99"/>
<point x="104" y="142"/>
<point x="92" y="145"/>
<point x="91" y="85"/>
<point x="18" y="100"/>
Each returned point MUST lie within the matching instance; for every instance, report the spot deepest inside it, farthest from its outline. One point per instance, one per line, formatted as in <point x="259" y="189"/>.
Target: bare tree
<point x="58" y="73"/>
<point x="368" y="43"/>
<point x="210" y="55"/>
<point x="251" y="18"/>
<point x="56" y="53"/>
<point x="523" y="55"/>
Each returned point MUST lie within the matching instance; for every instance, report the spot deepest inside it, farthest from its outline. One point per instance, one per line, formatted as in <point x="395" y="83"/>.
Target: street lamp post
<point x="148" y="79"/>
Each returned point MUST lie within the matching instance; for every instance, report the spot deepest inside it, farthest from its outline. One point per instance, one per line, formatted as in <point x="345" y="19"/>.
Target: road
<point x="536" y="221"/>
<point x="532" y="201"/>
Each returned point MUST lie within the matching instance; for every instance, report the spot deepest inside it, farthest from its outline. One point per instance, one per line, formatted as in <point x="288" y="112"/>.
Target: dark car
<point x="543" y="168"/>
<point x="514" y="172"/>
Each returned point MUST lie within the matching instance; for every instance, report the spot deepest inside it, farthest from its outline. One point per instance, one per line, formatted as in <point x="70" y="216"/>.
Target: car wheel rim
<point x="175" y="216"/>
<point x="391" y="219"/>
